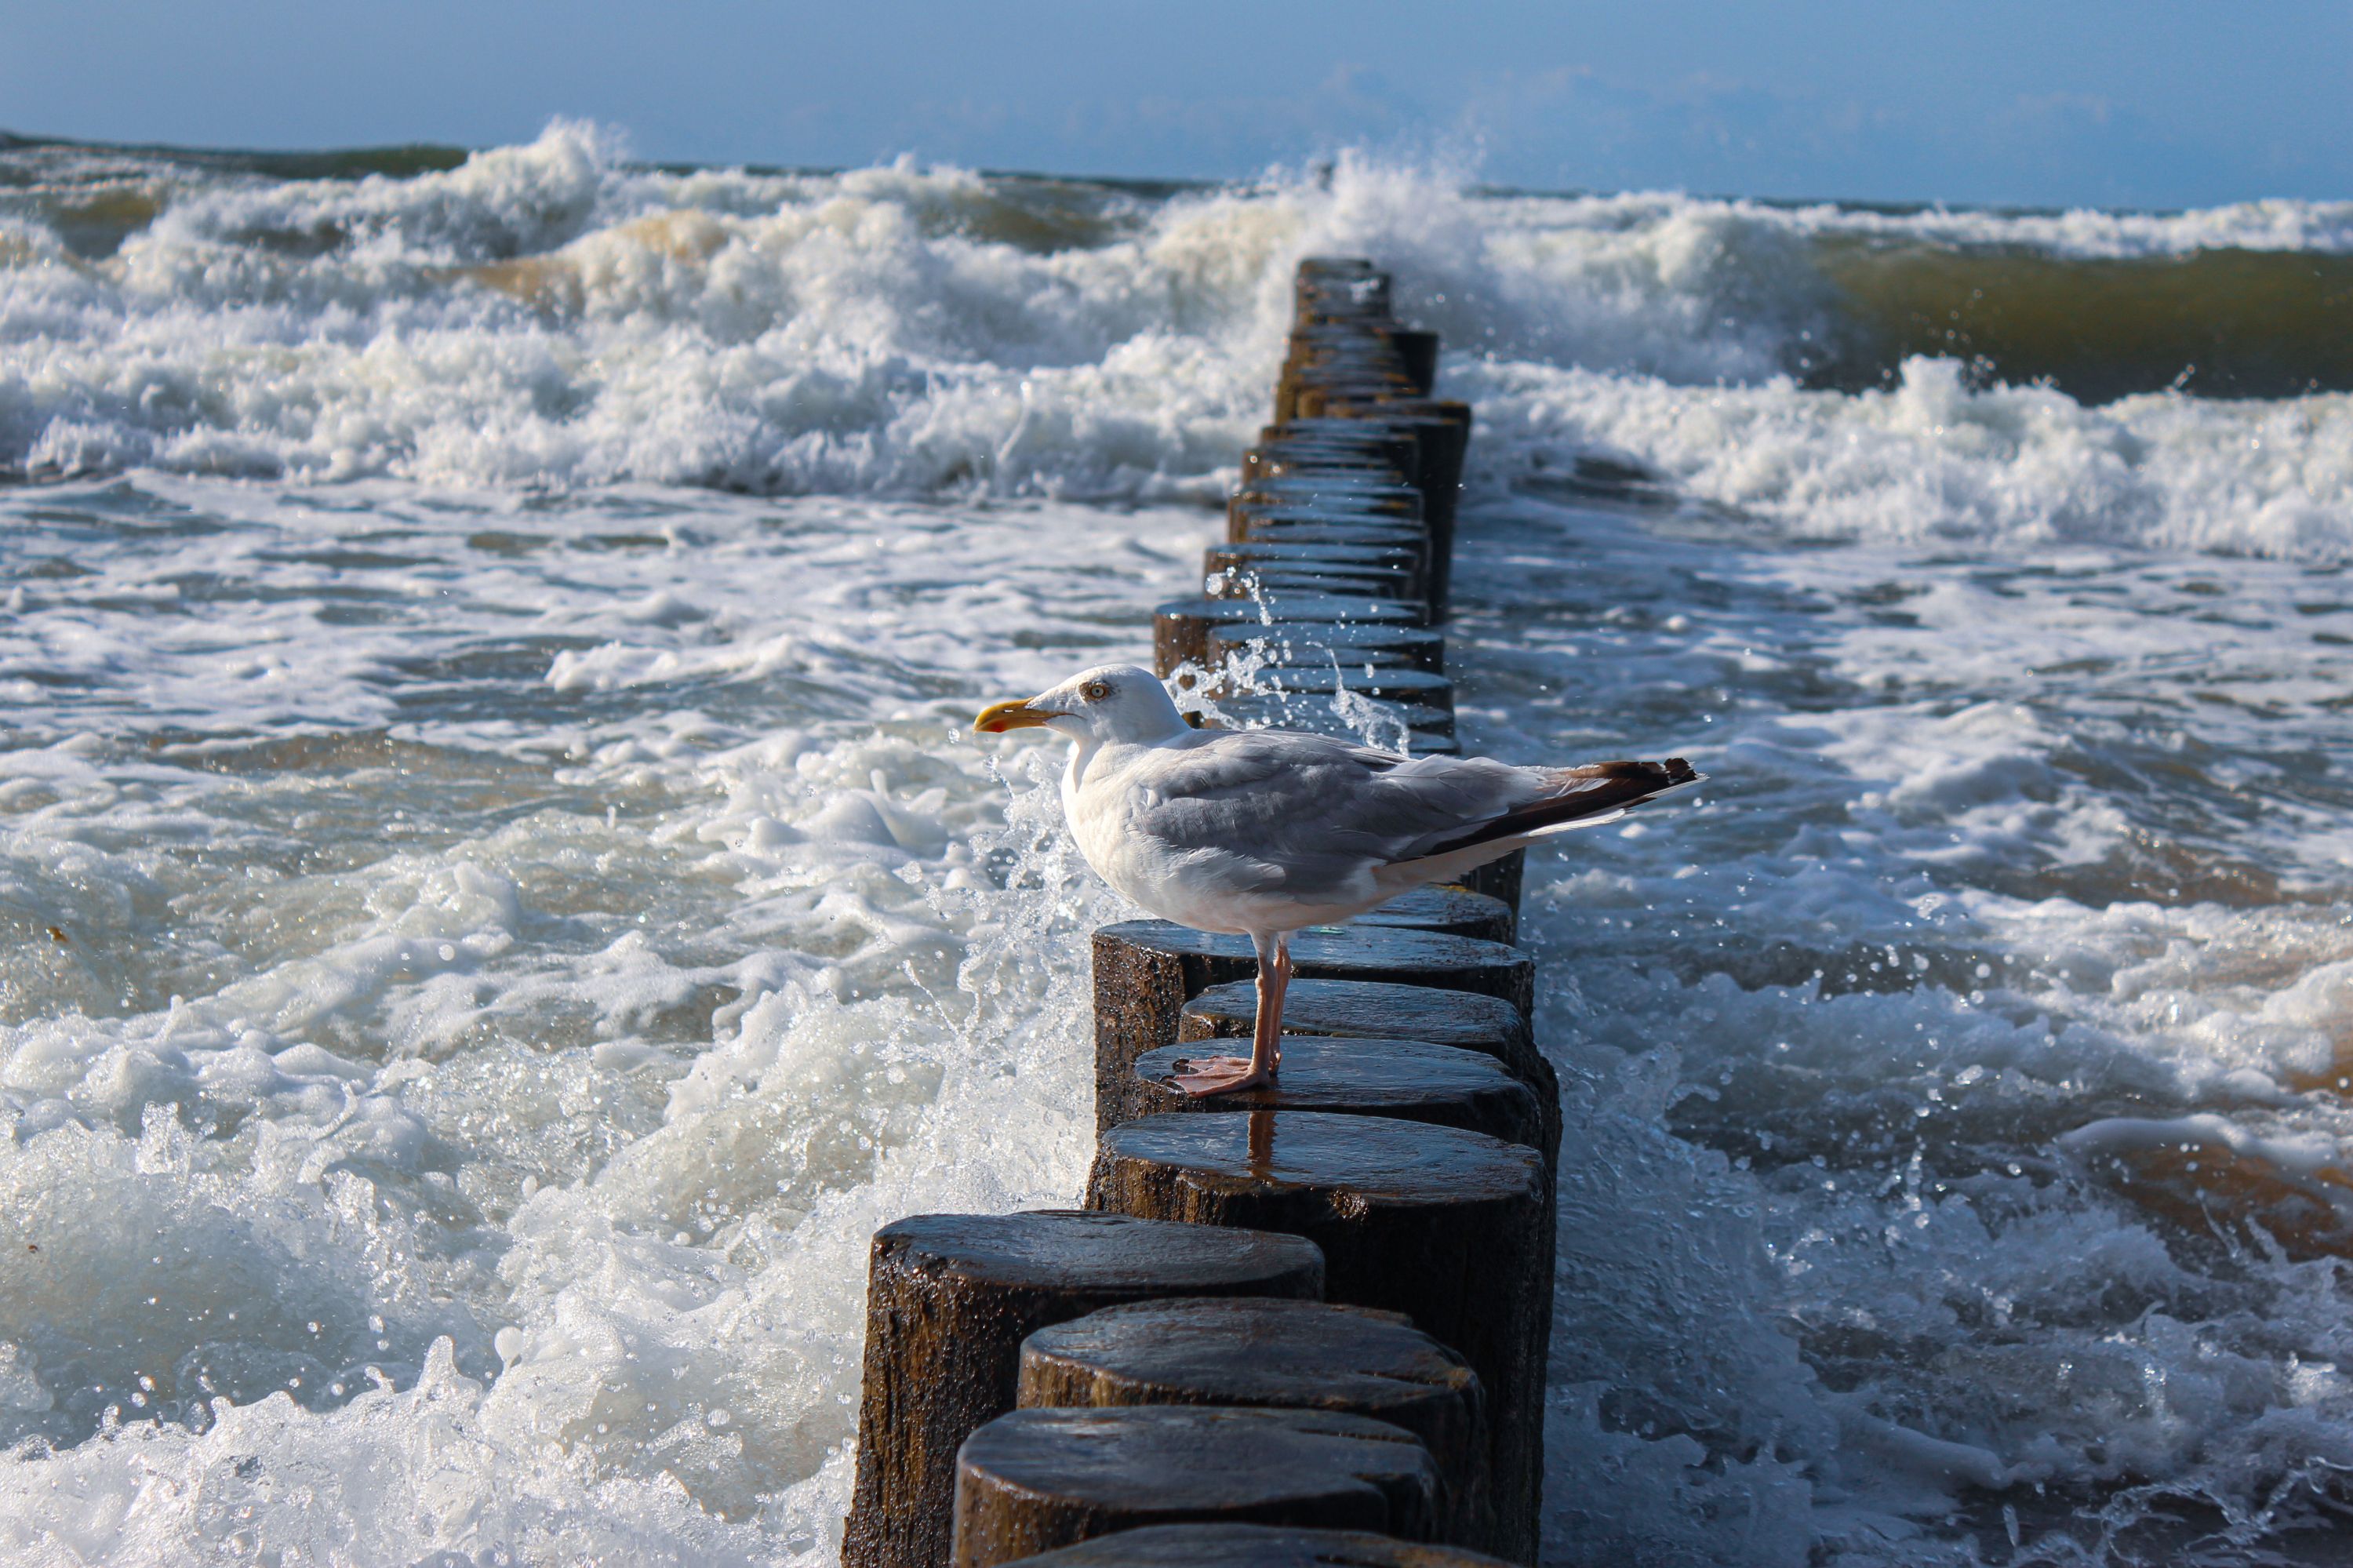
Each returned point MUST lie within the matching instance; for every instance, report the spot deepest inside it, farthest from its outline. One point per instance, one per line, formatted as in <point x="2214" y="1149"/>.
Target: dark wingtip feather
<point x="1594" y="789"/>
<point x="1624" y="776"/>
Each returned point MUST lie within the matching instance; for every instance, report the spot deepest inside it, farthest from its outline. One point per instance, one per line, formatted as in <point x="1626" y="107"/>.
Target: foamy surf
<point x="551" y="316"/>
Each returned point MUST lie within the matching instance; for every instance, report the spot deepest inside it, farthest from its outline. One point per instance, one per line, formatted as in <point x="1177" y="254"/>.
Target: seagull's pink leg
<point x="1225" y="1075"/>
<point x="1273" y="1029"/>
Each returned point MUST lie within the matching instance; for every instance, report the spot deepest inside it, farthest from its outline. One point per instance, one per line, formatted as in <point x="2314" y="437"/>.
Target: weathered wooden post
<point x="1378" y="1008"/>
<point x="1411" y="1137"/>
<point x="1255" y="1546"/>
<point x="1409" y="1079"/>
<point x="1501" y="878"/>
<point x="1303" y="642"/>
<point x="1291" y="1355"/>
<point x="1040" y="1478"/>
<point x="949" y="1299"/>
<point x="1449" y="1227"/>
<point x="1145" y="970"/>
<point x="1419" y="349"/>
<point x="1318" y="683"/>
<point x="1180" y="628"/>
<point x="1417" y="729"/>
<point x="1362" y="554"/>
<point x="1412" y="1013"/>
<point x="1446" y="911"/>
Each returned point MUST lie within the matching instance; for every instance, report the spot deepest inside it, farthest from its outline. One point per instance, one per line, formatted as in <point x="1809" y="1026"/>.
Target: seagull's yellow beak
<point x="999" y="717"/>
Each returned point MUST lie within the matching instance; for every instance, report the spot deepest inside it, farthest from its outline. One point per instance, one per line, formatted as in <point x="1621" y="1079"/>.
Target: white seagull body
<point x="1264" y="832"/>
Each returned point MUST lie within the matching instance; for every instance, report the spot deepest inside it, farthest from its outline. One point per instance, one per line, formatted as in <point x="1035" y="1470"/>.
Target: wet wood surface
<point x="1379" y="1010"/>
<point x="1263" y="580"/>
<point x="1256" y="1546"/>
<point x="950" y="1298"/>
<point x="1291" y="448"/>
<point x="1451" y="911"/>
<point x="1409" y="1079"/>
<point x="1452" y="1228"/>
<point x="1036" y="1479"/>
<point x="1348" y="549"/>
<point x="1291" y="1355"/>
<point x="1339" y="483"/>
<point x="1318" y="683"/>
<point x="1180" y="626"/>
<point x="1370" y="721"/>
<point x="1296" y="642"/>
<point x="1363" y="533"/>
<point x="1277" y="522"/>
<point x="1500" y="878"/>
<point x="1145" y="970"/>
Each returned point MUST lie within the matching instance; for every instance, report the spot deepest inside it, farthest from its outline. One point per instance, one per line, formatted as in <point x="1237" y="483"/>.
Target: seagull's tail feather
<point x="1583" y="797"/>
<point x="1577" y="795"/>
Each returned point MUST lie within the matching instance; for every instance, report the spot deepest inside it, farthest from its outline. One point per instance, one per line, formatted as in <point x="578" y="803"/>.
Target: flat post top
<point x="1259" y="1351"/>
<point x="1367" y="1158"/>
<point x="1255" y="1546"/>
<point x="1378" y="1008"/>
<point x="1082" y="1251"/>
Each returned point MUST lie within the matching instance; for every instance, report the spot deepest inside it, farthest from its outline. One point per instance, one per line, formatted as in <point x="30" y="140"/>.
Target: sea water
<point x="501" y="900"/>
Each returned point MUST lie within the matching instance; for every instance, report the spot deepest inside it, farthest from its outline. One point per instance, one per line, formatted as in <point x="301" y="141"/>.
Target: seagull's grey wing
<point x="1277" y="809"/>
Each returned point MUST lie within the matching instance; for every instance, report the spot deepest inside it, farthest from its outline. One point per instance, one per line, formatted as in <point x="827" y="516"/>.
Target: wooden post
<point x="1270" y="519"/>
<point x="1291" y="1355"/>
<point x="1450" y="911"/>
<point x="1425" y="730"/>
<point x="1145" y="970"/>
<point x="1364" y="489"/>
<point x="1378" y="1009"/>
<point x="1318" y="683"/>
<point x="1411" y="1134"/>
<point x="1353" y="1008"/>
<point x="1042" y="1478"/>
<point x="1255" y="1546"/>
<point x="1442" y="429"/>
<point x="1304" y="642"/>
<point x="1279" y="577"/>
<point x="1258" y="555"/>
<point x="1500" y="878"/>
<point x="1419" y="349"/>
<point x="949" y="1298"/>
<point x="1288" y="448"/>
<point x="1452" y="1228"/>
<point x="1180" y="628"/>
<point x="1410" y="1079"/>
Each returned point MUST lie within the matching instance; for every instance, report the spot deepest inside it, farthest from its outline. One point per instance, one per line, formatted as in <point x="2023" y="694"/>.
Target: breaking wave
<point x="554" y="316"/>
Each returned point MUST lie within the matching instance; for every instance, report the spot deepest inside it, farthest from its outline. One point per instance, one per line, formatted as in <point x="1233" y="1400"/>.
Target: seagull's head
<point x="1110" y="703"/>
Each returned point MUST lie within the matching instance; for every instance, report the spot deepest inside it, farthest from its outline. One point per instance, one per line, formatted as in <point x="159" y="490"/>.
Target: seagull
<point x="1264" y="832"/>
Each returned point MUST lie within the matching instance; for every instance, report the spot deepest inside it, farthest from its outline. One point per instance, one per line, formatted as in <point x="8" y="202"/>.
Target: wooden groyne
<point x="1301" y="1324"/>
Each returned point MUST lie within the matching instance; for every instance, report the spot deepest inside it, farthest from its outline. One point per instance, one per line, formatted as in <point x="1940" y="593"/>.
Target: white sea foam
<point x="507" y="1185"/>
<point x="1946" y="1050"/>
<point x="551" y="316"/>
<point x="1930" y="460"/>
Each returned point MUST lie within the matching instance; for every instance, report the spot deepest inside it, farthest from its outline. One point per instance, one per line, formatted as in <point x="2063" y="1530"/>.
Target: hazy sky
<point x="2151" y="103"/>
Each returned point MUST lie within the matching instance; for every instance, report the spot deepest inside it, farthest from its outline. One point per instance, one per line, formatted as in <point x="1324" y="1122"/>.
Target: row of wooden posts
<point x="1299" y="1325"/>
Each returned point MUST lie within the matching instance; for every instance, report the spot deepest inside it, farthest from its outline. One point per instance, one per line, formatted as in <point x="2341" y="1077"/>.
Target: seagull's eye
<point x="1095" y="691"/>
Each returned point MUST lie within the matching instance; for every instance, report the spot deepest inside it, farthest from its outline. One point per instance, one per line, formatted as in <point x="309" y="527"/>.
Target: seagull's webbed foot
<point x="1204" y="1075"/>
<point x="1228" y="1074"/>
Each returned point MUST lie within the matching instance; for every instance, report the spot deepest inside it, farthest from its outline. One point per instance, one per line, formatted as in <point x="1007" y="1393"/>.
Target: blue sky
<point x="2159" y="103"/>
